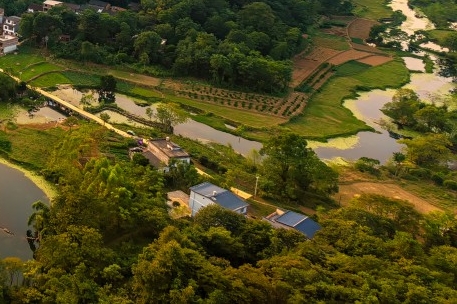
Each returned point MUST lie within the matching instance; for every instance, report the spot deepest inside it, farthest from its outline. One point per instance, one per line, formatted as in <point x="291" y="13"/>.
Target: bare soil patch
<point x="349" y="191"/>
<point x="360" y="28"/>
<point x="375" y="60"/>
<point x="304" y="66"/>
<point x="348" y="56"/>
<point x="365" y="48"/>
<point x="336" y="30"/>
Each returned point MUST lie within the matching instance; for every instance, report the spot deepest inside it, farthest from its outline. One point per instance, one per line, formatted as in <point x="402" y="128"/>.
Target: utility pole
<point x="256" y="182"/>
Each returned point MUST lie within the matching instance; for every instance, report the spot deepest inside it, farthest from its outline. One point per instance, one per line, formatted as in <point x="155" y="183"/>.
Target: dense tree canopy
<point x="234" y="43"/>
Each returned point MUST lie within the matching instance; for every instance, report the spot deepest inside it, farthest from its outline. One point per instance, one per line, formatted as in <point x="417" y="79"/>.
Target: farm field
<point x="371" y="9"/>
<point x="312" y="107"/>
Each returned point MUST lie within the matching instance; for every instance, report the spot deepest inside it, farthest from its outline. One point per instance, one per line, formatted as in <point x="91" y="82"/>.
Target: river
<point x="17" y="193"/>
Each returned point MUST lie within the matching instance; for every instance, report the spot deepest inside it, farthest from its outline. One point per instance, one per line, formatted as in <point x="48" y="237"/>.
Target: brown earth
<point x="375" y="60"/>
<point x="353" y="184"/>
<point x="360" y="28"/>
<point x="347" y="56"/>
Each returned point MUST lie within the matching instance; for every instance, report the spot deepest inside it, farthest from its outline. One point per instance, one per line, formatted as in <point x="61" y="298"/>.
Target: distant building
<point x="33" y="8"/>
<point x="205" y="194"/>
<point x="293" y="220"/>
<point x="8" y="44"/>
<point x="48" y="4"/>
<point x="72" y="7"/>
<point x="11" y="25"/>
<point x="2" y="16"/>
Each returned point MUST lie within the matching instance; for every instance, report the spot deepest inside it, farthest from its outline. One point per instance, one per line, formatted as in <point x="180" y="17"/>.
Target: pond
<point x="17" y="193"/>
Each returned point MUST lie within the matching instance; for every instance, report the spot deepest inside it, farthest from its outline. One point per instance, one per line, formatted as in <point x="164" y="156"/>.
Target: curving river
<point x="17" y="193"/>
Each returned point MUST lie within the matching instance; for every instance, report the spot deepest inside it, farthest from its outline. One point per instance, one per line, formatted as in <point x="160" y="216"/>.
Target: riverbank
<point x="39" y="181"/>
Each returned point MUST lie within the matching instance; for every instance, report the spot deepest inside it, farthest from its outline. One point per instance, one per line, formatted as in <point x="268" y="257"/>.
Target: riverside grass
<point x="325" y="116"/>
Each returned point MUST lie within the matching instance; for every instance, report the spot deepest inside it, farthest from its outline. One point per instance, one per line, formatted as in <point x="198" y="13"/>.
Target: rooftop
<point x="297" y="221"/>
<point x="15" y="19"/>
<point x="168" y="147"/>
<point x="52" y="2"/>
<point x="219" y="195"/>
<point x="35" y="7"/>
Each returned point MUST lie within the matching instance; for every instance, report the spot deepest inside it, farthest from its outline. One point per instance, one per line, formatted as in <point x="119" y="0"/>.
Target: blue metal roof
<point x="290" y="218"/>
<point x="219" y="195"/>
<point x="229" y="200"/>
<point x="207" y="189"/>
<point x="308" y="227"/>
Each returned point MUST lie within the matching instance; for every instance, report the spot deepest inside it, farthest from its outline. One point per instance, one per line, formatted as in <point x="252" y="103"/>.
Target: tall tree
<point x="290" y="169"/>
<point x="107" y="89"/>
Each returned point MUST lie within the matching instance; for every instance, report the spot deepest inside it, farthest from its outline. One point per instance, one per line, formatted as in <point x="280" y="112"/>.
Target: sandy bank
<point x="38" y="180"/>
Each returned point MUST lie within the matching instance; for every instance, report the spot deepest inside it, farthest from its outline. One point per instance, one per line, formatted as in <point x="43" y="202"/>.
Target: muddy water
<point x="412" y="23"/>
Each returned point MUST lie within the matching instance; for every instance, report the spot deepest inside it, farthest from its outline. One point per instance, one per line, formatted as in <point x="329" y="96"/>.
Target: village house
<point x="205" y="194"/>
<point x="11" y="25"/>
<point x="48" y="4"/>
<point x="161" y="153"/>
<point x="33" y="7"/>
<point x="8" y="44"/>
<point x="2" y="16"/>
<point x="292" y="220"/>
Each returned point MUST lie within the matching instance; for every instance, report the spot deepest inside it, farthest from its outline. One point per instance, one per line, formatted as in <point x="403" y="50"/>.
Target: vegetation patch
<point x="326" y="117"/>
<point x="350" y="68"/>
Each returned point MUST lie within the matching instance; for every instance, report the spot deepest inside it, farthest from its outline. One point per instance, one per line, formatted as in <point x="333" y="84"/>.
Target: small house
<point x="8" y="44"/>
<point x="48" y="4"/>
<point x="206" y="194"/>
<point x="293" y="220"/>
<point x="161" y="153"/>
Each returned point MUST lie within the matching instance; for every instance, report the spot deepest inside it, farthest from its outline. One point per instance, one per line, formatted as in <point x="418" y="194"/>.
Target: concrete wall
<point x="197" y="201"/>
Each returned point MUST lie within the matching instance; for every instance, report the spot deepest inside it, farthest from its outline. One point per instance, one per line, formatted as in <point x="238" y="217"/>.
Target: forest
<point x="236" y="44"/>
<point x="108" y="239"/>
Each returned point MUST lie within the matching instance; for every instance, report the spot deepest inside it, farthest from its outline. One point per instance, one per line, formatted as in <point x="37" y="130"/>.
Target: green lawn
<point x="326" y="117"/>
<point x="371" y="9"/>
<point x="351" y="68"/>
<point x="38" y="69"/>
<point x="331" y="42"/>
<point x="439" y="35"/>
<point x="50" y="80"/>
<point x="82" y="79"/>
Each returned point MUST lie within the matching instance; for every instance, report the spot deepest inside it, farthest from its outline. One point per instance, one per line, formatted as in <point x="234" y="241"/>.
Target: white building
<point x="206" y="194"/>
<point x="11" y="25"/>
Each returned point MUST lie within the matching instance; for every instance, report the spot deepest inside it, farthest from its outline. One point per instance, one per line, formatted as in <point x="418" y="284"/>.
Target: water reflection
<point x="17" y="193"/>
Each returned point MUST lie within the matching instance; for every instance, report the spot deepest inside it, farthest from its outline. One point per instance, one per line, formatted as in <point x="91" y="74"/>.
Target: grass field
<point x="38" y="69"/>
<point x="439" y="35"/>
<point x="325" y="116"/>
<point x="351" y="68"/>
<point x="33" y="152"/>
<point x="372" y="9"/>
<point x="331" y="42"/>
<point x="247" y="118"/>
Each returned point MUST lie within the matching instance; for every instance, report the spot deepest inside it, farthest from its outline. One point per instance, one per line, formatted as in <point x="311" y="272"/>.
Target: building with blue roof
<point x="206" y="193"/>
<point x="292" y="220"/>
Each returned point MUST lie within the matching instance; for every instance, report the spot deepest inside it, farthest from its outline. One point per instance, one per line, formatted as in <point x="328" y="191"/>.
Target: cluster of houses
<point x="162" y="152"/>
<point x="10" y="25"/>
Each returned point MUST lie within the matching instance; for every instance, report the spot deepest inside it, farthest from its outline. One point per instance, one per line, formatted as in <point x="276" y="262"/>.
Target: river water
<point x="17" y="193"/>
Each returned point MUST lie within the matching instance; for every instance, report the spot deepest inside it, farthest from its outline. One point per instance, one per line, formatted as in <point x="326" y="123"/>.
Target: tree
<point x="40" y="219"/>
<point x="405" y="103"/>
<point x="105" y="117"/>
<point x="430" y="151"/>
<point x="70" y="122"/>
<point x="107" y="89"/>
<point x="7" y="87"/>
<point x="149" y="112"/>
<point x="169" y="115"/>
<point x="290" y="169"/>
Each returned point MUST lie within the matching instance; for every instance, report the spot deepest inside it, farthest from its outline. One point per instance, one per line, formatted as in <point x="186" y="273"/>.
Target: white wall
<point x="9" y="49"/>
<point x="197" y="201"/>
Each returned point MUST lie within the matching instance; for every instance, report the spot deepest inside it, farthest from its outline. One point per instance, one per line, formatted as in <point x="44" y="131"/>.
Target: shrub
<point x="438" y="178"/>
<point x="420" y="173"/>
<point x="450" y="184"/>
